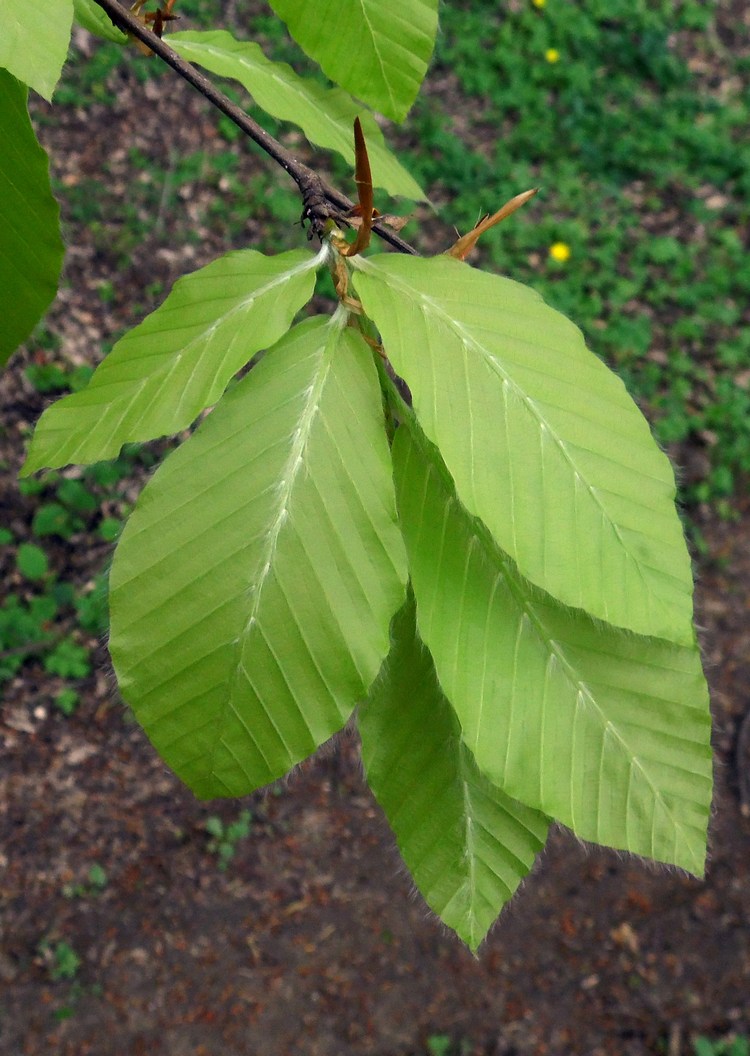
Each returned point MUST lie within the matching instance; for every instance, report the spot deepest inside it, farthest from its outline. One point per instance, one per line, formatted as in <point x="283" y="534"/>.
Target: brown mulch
<point x="314" y="940"/>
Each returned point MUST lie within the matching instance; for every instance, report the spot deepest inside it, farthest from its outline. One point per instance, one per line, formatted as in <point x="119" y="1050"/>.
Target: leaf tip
<point x="31" y="465"/>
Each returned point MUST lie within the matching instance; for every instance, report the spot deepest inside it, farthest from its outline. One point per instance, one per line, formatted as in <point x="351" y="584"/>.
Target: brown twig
<point x="320" y="201"/>
<point x="742" y="759"/>
<point x="30" y="647"/>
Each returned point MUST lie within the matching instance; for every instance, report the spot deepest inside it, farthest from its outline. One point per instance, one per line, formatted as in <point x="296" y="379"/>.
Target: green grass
<point x="47" y="619"/>
<point x="737" y="1046"/>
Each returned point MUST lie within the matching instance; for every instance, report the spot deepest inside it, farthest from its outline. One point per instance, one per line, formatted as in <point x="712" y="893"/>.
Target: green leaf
<point x="604" y="730"/>
<point x="69" y="660"/>
<point x="31" y="250"/>
<point x="34" y="37"/>
<point x="53" y="519"/>
<point x="325" y="115"/>
<point x="161" y="375"/>
<point x="109" y="529"/>
<point x="89" y="15"/>
<point x="252" y="589"/>
<point x="31" y="561"/>
<point x="378" y="51"/>
<point x="466" y="843"/>
<point x="543" y="442"/>
<point x="75" y="495"/>
<point x="67" y="700"/>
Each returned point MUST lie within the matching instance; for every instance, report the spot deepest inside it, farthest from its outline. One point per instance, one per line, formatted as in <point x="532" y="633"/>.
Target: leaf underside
<point x="606" y="731"/>
<point x="466" y="843"/>
<point x="31" y="249"/>
<point x="325" y="115"/>
<point x="252" y="589"/>
<point x="383" y="55"/>
<point x="178" y="361"/>
<point x="89" y="15"/>
<point x="543" y="442"/>
<point x="34" y="37"/>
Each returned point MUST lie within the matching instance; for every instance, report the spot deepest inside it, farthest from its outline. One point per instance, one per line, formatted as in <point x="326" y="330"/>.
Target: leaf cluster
<point x="528" y="676"/>
<point x="489" y="577"/>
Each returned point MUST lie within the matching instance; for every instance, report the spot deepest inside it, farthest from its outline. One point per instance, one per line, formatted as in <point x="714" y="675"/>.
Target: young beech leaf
<point x="468" y="845"/>
<point x="31" y="249"/>
<point x="364" y="207"/>
<point x="466" y="243"/>
<point x="325" y="115"/>
<point x="162" y="374"/>
<point x="604" y="730"/>
<point x="543" y="442"/>
<point x="34" y="38"/>
<point x="253" y="586"/>
<point x="378" y="50"/>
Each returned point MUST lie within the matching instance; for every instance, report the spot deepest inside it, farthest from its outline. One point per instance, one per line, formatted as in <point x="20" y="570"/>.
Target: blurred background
<point x="134" y="919"/>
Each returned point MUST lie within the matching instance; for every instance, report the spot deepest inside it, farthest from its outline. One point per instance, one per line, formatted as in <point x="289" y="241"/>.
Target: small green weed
<point x="739" y="1046"/>
<point x="26" y="630"/>
<point x="35" y="620"/>
<point x="76" y="496"/>
<point x="97" y="882"/>
<point x="52" y="518"/>
<point x="67" y="505"/>
<point x="38" y="620"/>
<point x="60" y="959"/>
<point x="67" y="701"/>
<point x="31" y="561"/>
<point x="444" y="1045"/>
<point x="47" y="377"/>
<point x="68" y="660"/>
<point x="62" y="965"/>
<point x="92" y="606"/>
<point x="51" y="377"/>
<point x="223" y="839"/>
<point x="109" y="529"/>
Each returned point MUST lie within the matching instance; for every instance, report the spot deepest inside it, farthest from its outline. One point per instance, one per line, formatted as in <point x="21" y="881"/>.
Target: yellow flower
<point x="560" y="251"/>
<point x="539" y="3"/>
<point x="552" y="55"/>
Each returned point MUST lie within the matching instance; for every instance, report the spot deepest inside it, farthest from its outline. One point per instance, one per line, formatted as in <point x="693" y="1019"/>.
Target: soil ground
<point x="314" y="942"/>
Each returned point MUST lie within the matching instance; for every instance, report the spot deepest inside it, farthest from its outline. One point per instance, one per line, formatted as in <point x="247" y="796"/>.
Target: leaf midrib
<point x="381" y="62"/>
<point x="470" y="881"/>
<point x="290" y="472"/>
